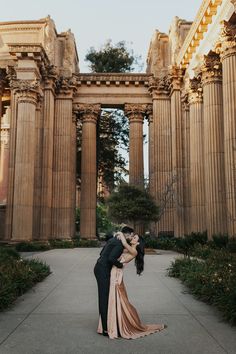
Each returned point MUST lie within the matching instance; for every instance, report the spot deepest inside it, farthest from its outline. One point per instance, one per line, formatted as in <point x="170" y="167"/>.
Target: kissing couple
<point x="117" y="316"/>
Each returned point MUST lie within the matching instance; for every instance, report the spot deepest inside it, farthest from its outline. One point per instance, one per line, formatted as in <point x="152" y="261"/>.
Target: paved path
<point x="59" y="315"/>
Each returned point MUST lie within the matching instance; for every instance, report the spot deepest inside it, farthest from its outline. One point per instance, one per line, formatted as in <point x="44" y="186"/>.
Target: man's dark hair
<point x="127" y="230"/>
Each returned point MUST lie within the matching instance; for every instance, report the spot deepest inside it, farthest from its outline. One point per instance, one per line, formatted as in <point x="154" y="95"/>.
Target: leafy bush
<point x="32" y="246"/>
<point x="59" y="243"/>
<point x="220" y="240"/>
<point x="18" y="275"/>
<point x="86" y="243"/>
<point x="212" y="280"/>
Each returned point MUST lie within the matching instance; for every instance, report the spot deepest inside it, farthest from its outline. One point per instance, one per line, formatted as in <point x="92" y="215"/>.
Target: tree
<point x="132" y="205"/>
<point x="112" y="58"/>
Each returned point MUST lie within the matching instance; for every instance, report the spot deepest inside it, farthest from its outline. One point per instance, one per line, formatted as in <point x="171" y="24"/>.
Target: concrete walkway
<point x="59" y="315"/>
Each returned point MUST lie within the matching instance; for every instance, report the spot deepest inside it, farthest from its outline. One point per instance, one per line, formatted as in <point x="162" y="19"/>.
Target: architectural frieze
<point x="211" y="68"/>
<point x="109" y="79"/>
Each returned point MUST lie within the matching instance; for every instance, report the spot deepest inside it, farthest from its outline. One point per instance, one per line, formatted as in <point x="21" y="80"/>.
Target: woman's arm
<point x="130" y="249"/>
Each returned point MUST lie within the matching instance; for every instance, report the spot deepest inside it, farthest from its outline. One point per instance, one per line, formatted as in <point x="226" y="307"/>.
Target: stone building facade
<point x="187" y="96"/>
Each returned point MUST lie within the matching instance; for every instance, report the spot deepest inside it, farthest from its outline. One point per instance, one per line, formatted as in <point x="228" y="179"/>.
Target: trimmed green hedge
<point x="18" y="275"/>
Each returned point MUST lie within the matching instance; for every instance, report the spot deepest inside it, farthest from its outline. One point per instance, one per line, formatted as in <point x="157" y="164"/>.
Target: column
<point x="135" y="114"/>
<point x="89" y="115"/>
<point x="162" y="155"/>
<point x="214" y="145"/>
<point x="186" y="163"/>
<point x="38" y="170"/>
<point x="63" y="212"/>
<point x="11" y="163"/>
<point x="47" y="154"/>
<point x="73" y="170"/>
<point x="177" y="150"/>
<point x="197" y="168"/>
<point x="23" y="197"/>
<point x="4" y="154"/>
<point x="228" y="57"/>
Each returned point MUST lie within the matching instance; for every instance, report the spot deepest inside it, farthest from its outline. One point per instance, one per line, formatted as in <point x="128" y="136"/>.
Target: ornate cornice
<point x="200" y="25"/>
<point x="211" y="68"/>
<point x="112" y="79"/>
<point x="195" y="90"/>
<point x="87" y="112"/>
<point x="227" y="39"/>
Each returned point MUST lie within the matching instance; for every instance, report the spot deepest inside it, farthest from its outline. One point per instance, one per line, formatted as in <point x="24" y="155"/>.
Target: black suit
<point x="102" y="270"/>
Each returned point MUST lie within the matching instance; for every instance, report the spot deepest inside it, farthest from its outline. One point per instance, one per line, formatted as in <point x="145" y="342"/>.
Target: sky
<point x="93" y="22"/>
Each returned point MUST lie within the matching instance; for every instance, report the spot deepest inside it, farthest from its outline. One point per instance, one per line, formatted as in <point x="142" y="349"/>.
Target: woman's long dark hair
<point x="139" y="259"/>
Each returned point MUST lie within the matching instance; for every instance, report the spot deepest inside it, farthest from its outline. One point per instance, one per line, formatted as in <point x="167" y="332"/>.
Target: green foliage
<point x="103" y="223"/>
<point x="220" y="240"/>
<point x="18" y="275"/>
<point x="32" y="246"/>
<point x="131" y="204"/>
<point x="111" y="58"/>
<point x="86" y="243"/>
<point x="58" y="243"/>
<point x="212" y="280"/>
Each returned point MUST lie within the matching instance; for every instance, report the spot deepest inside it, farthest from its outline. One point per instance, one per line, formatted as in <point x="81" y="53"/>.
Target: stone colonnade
<point x="199" y="185"/>
<point x="42" y="151"/>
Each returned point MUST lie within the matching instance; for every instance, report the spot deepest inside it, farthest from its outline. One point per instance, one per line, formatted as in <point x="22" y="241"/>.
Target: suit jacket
<point x="111" y="252"/>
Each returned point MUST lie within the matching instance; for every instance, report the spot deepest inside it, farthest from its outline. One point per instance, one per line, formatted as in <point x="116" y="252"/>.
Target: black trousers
<point x="102" y="274"/>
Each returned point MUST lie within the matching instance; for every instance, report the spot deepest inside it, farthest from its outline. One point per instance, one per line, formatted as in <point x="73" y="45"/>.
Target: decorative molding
<point x="66" y="85"/>
<point x="175" y="77"/>
<point x="200" y="25"/>
<point x="211" y="68"/>
<point x="109" y="79"/>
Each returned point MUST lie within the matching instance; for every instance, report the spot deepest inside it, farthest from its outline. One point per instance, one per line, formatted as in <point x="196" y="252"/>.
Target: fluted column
<point x="135" y="114"/>
<point x="89" y="115"/>
<point x="162" y="155"/>
<point x="47" y="154"/>
<point x="38" y="170"/>
<point x="228" y="57"/>
<point x="63" y="212"/>
<point x="186" y="164"/>
<point x="11" y="164"/>
<point x="197" y="168"/>
<point x="23" y="198"/>
<point x="214" y="145"/>
<point x="177" y="150"/>
<point x="73" y="170"/>
<point x="2" y="77"/>
<point x="4" y="154"/>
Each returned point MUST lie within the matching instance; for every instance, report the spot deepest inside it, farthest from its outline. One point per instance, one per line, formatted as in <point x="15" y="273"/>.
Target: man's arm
<point x="115" y="254"/>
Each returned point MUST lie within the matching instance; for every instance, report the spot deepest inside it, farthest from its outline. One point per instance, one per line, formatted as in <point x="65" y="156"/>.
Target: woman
<point x="123" y="319"/>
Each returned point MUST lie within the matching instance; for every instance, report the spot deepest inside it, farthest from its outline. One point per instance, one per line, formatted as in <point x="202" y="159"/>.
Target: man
<point x="102" y="270"/>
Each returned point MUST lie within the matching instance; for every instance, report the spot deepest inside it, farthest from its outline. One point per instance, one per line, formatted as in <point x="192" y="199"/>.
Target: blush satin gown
<point x="122" y="318"/>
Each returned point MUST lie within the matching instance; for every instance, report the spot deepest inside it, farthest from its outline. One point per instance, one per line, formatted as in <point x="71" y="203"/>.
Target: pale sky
<point x="95" y="21"/>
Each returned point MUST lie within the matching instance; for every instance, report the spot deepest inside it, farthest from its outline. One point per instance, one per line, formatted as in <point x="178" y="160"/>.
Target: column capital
<point x="66" y="86"/>
<point x="135" y="112"/>
<point x="159" y="87"/>
<point x="50" y="75"/>
<point x="2" y="79"/>
<point x="26" y="90"/>
<point x="175" y="77"/>
<point x="227" y="39"/>
<point x="211" y="68"/>
<point x="195" y="90"/>
<point x="87" y="112"/>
